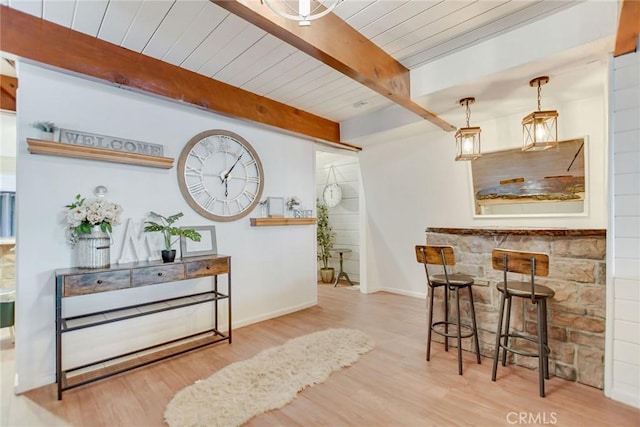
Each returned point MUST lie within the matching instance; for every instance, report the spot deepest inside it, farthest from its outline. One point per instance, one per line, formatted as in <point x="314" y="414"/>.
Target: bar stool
<point x="535" y="264"/>
<point x="444" y="256"/>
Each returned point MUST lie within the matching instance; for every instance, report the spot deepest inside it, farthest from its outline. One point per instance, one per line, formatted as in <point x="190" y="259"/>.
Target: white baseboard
<point x="625" y="397"/>
<point x="404" y="292"/>
<point x="36" y="382"/>
<point x="277" y="313"/>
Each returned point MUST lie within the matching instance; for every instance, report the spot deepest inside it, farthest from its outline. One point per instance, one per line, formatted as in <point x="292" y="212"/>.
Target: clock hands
<point x="224" y="176"/>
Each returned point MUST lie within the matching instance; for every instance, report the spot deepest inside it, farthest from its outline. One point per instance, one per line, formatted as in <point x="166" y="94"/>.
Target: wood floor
<point x="392" y="385"/>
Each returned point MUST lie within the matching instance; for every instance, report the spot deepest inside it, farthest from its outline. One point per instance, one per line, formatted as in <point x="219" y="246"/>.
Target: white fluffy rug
<point x="269" y="380"/>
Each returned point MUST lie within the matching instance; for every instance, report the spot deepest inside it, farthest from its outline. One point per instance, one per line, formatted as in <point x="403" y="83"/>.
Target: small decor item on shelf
<point x="293" y="206"/>
<point x="89" y="230"/>
<point x="325" y="238"/>
<point x="165" y="226"/>
<point x="275" y="207"/>
<point x="46" y="129"/>
<point x="264" y="208"/>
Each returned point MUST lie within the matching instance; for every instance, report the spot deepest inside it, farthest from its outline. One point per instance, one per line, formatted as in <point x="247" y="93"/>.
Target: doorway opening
<point x="342" y="169"/>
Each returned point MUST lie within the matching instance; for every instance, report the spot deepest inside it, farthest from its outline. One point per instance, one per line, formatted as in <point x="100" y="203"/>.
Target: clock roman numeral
<point x="191" y="171"/>
<point x="198" y="156"/>
<point x="208" y="146"/>
<point x="249" y="195"/>
<point x="250" y="163"/>
<point x="223" y="144"/>
<point x="197" y="188"/>
<point x="209" y="202"/>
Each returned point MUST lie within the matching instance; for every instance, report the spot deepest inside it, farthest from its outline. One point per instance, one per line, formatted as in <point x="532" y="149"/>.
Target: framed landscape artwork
<point x="516" y="182"/>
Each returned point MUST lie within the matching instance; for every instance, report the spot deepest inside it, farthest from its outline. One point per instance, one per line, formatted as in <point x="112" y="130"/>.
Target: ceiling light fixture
<point x="540" y="128"/>
<point x="468" y="139"/>
<point x="303" y="11"/>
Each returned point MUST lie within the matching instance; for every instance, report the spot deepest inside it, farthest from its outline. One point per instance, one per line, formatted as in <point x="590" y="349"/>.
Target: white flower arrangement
<point x="96" y="212"/>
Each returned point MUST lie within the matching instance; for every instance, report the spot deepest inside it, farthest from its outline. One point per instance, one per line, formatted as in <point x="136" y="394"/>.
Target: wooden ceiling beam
<point x="8" y="88"/>
<point x="628" y="28"/>
<point x="38" y="40"/>
<point x="336" y="44"/>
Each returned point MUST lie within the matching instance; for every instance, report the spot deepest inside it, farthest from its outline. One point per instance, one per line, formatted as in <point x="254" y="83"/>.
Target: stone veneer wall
<point x="7" y="266"/>
<point x="576" y="314"/>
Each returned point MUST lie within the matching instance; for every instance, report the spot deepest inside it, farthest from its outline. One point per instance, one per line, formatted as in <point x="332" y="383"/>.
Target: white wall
<point x="623" y="260"/>
<point x="45" y="184"/>
<point x="7" y="151"/>
<point x="414" y="183"/>
<point x="344" y="218"/>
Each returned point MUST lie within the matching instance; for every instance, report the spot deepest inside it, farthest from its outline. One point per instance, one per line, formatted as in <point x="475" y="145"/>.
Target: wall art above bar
<point x="113" y="143"/>
<point x="516" y="182"/>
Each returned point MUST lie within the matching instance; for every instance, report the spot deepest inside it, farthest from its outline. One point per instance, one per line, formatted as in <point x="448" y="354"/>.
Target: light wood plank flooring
<point x="392" y="385"/>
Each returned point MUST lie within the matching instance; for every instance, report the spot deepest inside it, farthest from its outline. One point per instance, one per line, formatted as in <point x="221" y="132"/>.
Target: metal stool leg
<point x="506" y="330"/>
<point x="496" y="352"/>
<point x="459" y="332"/>
<point x="475" y="326"/>
<point x="541" y="349"/>
<point x="446" y="317"/>
<point x="545" y="340"/>
<point x="431" y="291"/>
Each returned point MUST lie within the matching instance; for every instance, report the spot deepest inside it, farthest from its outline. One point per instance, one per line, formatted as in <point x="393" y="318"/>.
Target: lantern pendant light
<point x="468" y="138"/>
<point x="540" y="128"/>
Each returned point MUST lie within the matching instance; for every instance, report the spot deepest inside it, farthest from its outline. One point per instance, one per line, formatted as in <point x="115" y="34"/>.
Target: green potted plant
<point x="170" y="233"/>
<point x="325" y="238"/>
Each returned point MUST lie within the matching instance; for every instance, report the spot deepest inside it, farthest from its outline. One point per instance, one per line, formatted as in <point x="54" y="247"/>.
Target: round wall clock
<point x="332" y="195"/>
<point x="220" y="175"/>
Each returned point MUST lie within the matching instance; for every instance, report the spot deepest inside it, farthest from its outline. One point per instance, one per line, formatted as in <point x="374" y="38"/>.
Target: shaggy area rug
<point x="269" y="380"/>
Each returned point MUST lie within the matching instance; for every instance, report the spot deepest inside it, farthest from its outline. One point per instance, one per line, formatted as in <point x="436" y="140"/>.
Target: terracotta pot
<point x="326" y="274"/>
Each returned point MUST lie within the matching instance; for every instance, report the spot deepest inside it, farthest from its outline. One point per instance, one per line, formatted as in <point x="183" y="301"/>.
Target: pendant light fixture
<point x="540" y="128"/>
<point x="303" y="11"/>
<point x="468" y="138"/>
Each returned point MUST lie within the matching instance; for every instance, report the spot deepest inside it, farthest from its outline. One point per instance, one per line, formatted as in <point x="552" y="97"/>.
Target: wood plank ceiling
<point x="201" y="37"/>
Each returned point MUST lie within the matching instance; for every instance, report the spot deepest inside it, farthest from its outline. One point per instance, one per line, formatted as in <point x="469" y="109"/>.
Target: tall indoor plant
<point x="170" y="233"/>
<point x="325" y="238"/>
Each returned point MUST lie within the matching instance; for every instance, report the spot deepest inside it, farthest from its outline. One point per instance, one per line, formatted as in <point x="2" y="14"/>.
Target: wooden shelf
<point x="51" y="148"/>
<point x="266" y="222"/>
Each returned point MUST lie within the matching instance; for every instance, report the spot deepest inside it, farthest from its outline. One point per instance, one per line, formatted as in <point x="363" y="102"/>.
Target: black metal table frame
<point x="61" y="327"/>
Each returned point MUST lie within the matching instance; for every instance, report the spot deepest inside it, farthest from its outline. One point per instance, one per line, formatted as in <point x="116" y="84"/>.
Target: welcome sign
<point x="74" y="137"/>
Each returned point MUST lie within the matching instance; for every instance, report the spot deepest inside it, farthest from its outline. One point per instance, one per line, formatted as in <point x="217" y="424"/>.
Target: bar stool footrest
<point x="467" y="328"/>
<point x="515" y="350"/>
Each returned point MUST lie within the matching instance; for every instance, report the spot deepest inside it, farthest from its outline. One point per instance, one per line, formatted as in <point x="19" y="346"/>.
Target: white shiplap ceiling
<point x="202" y="37"/>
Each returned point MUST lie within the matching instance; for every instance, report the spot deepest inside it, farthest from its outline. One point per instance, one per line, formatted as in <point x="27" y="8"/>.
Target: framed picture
<point x="206" y="246"/>
<point x="275" y="207"/>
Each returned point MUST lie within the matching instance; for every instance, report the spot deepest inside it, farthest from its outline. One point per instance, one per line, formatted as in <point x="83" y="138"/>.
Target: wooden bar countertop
<point x="554" y="232"/>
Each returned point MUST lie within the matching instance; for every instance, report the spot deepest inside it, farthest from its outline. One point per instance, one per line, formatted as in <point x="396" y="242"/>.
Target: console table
<point x="81" y="281"/>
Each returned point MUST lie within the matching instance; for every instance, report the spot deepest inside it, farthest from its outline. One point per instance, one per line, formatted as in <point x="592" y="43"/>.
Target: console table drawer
<point x="207" y="267"/>
<point x="152" y="275"/>
<point x="89" y="283"/>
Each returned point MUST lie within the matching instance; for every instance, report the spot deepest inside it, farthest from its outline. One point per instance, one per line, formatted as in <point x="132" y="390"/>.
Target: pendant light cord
<point x="539" y="96"/>
<point x="468" y="111"/>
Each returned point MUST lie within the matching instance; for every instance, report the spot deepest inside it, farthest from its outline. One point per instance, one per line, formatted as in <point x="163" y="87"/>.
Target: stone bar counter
<point x="577" y="273"/>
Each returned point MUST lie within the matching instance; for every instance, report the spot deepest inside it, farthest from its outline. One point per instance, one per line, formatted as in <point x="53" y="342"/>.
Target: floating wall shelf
<point x="265" y="222"/>
<point x="37" y="146"/>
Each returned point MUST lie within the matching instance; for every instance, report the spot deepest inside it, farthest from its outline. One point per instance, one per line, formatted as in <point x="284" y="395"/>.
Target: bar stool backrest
<point x="510" y="261"/>
<point x="438" y="255"/>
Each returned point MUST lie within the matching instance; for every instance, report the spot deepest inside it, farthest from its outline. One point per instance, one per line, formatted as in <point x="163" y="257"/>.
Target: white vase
<point x="46" y="136"/>
<point x="93" y="249"/>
